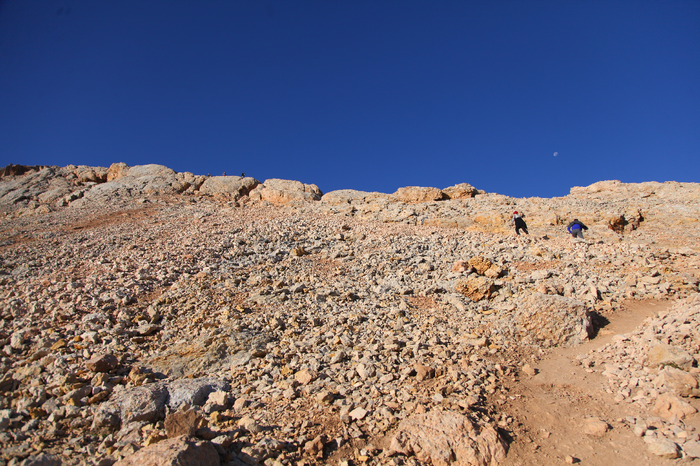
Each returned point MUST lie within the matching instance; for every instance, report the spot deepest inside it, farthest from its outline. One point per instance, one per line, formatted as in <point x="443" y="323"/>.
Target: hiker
<point x="519" y="223"/>
<point x="576" y="228"/>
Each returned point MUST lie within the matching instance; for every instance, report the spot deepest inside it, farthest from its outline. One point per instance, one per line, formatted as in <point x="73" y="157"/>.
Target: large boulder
<point x="235" y="185"/>
<point x="143" y="403"/>
<point x="345" y="196"/>
<point x="148" y="402"/>
<point x="418" y="194"/>
<point x="552" y="320"/>
<point x="87" y="174"/>
<point x="179" y="451"/>
<point x="116" y="171"/>
<point x="461" y="191"/>
<point x="283" y="191"/>
<point x="448" y="438"/>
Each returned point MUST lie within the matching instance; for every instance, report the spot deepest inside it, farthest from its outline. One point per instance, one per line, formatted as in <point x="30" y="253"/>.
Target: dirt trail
<point x="552" y="406"/>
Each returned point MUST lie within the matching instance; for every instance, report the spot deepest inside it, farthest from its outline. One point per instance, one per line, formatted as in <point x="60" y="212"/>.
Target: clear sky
<point x="363" y="94"/>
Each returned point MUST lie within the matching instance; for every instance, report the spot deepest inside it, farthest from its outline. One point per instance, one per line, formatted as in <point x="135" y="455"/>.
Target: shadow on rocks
<point x="598" y="322"/>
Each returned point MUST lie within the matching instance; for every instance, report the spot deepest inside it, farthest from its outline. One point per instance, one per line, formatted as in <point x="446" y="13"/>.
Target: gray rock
<point x="193" y="392"/>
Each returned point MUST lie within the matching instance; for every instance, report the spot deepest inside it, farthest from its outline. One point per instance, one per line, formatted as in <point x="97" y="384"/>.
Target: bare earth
<point x="552" y="406"/>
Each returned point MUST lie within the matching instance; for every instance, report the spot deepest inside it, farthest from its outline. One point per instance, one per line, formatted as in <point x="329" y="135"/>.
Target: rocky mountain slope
<point x="152" y="317"/>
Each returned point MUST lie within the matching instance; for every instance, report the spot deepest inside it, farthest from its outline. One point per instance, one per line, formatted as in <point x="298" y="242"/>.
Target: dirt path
<point x="551" y="407"/>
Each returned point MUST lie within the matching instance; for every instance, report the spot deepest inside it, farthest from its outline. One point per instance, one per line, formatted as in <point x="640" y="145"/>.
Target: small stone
<point x="305" y="376"/>
<point x="595" y="427"/>
<point x="102" y="363"/>
<point x="357" y="414"/>
<point x="183" y="423"/>
<point x="249" y="424"/>
<point x="529" y="370"/>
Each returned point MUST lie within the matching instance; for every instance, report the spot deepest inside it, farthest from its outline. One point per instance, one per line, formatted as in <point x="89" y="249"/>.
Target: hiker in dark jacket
<point x="519" y="223"/>
<point x="576" y="228"/>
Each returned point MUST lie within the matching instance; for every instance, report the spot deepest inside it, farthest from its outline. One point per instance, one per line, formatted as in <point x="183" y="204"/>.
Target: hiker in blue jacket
<point x="576" y="228"/>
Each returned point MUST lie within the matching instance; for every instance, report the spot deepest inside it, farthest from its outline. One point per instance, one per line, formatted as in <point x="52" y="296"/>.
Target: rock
<point x="493" y="272"/>
<point x="147" y="329"/>
<point x="348" y="196"/>
<point x="315" y="447"/>
<point x="102" y="363"/>
<point x="305" y="376"/>
<point x="667" y="355"/>
<point x="235" y="185"/>
<point x="480" y="264"/>
<point x="446" y="438"/>
<point x="680" y="382"/>
<point x="461" y="191"/>
<point x="692" y="449"/>
<point x="249" y="424"/>
<point x="476" y="288"/>
<point x="144" y="403"/>
<point x="529" y="370"/>
<point x="552" y="320"/>
<point x="424" y="372"/>
<point x="193" y="392"/>
<point x="357" y="414"/>
<point x="461" y="266"/>
<point x="180" y="451"/>
<point x="669" y="405"/>
<point x="298" y="252"/>
<point x="42" y="459"/>
<point x="183" y="423"/>
<point x="279" y="191"/>
<point x="219" y="400"/>
<point x="418" y="194"/>
<point x="664" y="448"/>
<point x="595" y="427"/>
<point x="117" y="170"/>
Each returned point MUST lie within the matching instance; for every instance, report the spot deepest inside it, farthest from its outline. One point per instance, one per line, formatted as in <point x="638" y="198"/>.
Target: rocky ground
<point x="153" y="317"/>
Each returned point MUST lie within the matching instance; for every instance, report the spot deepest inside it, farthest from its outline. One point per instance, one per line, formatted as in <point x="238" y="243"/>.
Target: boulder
<point x="344" y="196"/>
<point x="87" y="174"/>
<point x="664" y="448"/>
<point x="476" y="288"/>
<point x="135" y="181"/>
<point x="193" y="392"/>
<point x="235" y="185"/>
<point x="179" y="451"/>
<point x="678" y="381"/>
<point x="669" y="405"/>
<point x="116" y="171"/>
<point x="448" y="438"/>
<point x="143" y="403"/>
<point x="418" y="194"/>
<point x="461" y="191"/>
<point x="283" y="191"/>
<point x="480" y="264"/>
<point x="552" y="320"/>
<point x="667" y="355"/>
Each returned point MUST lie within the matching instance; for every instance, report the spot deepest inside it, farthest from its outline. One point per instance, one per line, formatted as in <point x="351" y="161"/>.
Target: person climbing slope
<point x="576" y="228"/>
<point x="519" y="223"/>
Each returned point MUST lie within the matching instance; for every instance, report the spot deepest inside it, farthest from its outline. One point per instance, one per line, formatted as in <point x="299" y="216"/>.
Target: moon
<point x="556" y="153"/>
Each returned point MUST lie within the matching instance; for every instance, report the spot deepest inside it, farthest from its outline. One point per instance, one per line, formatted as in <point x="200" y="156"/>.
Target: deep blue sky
<point x="370" y="95"/>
